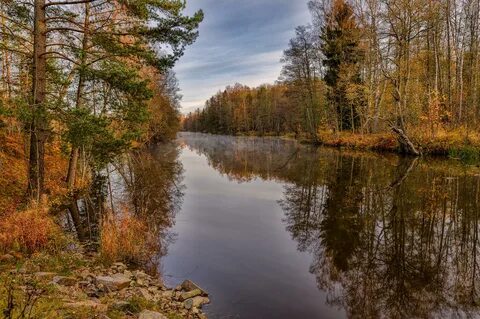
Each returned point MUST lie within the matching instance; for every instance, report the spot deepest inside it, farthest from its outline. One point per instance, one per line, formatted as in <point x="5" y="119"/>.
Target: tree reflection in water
<point x="149" y="184"/>
<point x="390" y="237"/>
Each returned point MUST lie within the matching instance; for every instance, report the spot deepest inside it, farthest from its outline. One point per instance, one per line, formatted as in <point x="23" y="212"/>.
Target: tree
<point x="86" y="43"/>
<point x="301" y="71"/>
<point x="340" y="45"/>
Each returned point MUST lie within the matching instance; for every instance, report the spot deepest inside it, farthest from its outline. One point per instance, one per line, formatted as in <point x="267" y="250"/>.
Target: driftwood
<point x="406" y="145"/>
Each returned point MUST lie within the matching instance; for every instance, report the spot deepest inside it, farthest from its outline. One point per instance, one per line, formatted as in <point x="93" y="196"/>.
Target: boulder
<point x="198" y="302"/>
<point x="189" y="285"/>
<point x="147" y="314"/>
<point x="195" y="302"/>
<point x="190" y="294"/>
<point x="114" y="282"/>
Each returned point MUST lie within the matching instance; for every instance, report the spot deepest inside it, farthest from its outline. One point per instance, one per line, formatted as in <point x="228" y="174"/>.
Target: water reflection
<point x="148" y="183"/>
<point x="390" y="237"/>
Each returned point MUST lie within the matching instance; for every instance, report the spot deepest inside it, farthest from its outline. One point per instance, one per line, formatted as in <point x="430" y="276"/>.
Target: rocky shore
<point x="114" y="292"/>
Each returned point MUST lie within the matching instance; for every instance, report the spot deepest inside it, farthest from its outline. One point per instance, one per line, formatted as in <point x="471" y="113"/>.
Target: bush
<point x="29" y="231"/>
<point x="128" y="239"/>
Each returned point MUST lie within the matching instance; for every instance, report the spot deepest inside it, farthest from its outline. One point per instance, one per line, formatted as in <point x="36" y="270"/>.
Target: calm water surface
<point x="273" y="229"/>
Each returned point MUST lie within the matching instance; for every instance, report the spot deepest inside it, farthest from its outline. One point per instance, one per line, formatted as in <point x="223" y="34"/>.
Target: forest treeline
<point x="366" y="67"/>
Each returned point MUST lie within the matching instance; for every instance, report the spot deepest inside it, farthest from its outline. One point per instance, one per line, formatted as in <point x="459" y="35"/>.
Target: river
<point x="275" y="229"/>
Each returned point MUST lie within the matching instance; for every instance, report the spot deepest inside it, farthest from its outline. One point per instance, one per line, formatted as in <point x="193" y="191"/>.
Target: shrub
<point x="28" y="231"/>
<point x="128" y="239"/>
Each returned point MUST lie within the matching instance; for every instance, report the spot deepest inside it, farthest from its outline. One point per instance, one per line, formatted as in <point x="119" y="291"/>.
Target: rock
<point x="141" y="282"/>
<point x="189" y="285"/>
<point x="42" y="275"/>
<point x="167" y="294"/>
<point x="147" y="314"/>
<point x="64" y="281"/>
<point x="200" y="301"/>
<point x="6" y="258"/>
<point x="188" y="304"/>
<point x="201" y="316"/>
<point x="190" y="294"/>
<point x="142" y="292"/>
<point x="120" y="267"/>
<point x="114" y="282"/>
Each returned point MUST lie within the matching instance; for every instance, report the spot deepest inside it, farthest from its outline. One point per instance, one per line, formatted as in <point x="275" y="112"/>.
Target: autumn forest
<point x="367" y="68"/>
<point x="347" y="185"/>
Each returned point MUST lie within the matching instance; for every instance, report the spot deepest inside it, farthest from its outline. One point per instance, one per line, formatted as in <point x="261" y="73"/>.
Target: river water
<point x="274" y="229"/>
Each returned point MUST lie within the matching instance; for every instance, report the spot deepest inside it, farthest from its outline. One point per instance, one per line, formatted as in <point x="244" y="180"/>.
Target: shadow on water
<point x="389" y="236"/>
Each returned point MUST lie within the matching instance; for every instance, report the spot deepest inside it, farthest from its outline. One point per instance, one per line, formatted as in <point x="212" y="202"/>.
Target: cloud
<point x="240" y="42"/>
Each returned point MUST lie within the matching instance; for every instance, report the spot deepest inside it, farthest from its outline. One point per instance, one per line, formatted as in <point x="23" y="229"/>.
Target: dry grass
<point x="381" y="142"/>
<point x="28" y="231"/>
<point x="128" y="239"/>
<point x="458" y="142"/>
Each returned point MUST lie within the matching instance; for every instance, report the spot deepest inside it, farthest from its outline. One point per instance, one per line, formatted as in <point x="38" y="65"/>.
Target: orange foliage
<point x="127" y="238"/>
<point x="13" y="180"/>
<point x="381" y="142"/>
<point x="28" y="231"/>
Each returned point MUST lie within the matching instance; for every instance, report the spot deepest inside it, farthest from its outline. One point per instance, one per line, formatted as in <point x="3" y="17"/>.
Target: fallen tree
<point x="406" y="145"/>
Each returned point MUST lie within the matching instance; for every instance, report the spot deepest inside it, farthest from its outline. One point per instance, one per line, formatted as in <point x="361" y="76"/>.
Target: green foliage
<point x="467" y="154"/>
<point x="340" y="38"/>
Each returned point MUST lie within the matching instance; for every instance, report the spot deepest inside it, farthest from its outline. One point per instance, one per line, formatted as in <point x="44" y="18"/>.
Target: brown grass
<point x="440" y="142"/>
<point x="128" y="239"/>
<point x="381" y="142"/>
<point x="28" y="231"/>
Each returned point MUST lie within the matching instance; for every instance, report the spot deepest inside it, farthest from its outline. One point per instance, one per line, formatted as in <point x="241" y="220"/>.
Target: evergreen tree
<point x="340" y="39"/>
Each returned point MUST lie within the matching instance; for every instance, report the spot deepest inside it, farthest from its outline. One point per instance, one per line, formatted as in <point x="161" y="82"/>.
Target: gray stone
<point x="198" y="302"/>
<point x="188" y="304"/>
<point x="168" y="293"/>
<point x="189" y="285"/>
<point x="190" y="294"/>
<point x="64" y="281"/>
<point x="147" y="314"/>
<point x="114" y="282"/>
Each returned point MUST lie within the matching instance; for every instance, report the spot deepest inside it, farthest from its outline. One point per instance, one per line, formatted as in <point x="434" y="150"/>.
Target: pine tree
<point x="340" y="45"/>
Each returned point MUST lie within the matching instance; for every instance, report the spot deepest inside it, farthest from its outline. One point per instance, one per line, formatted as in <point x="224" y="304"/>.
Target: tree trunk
<point x="406" y="145"/>
<point x="38" y="126"/>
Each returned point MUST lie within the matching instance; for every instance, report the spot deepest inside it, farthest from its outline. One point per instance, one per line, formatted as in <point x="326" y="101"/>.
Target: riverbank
<point x="46" y="273"/>
<point x="459" y="144"/>
<point x="75" y="285"/>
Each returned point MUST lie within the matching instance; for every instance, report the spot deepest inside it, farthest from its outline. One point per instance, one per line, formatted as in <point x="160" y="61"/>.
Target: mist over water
<point x="274" y="229"/>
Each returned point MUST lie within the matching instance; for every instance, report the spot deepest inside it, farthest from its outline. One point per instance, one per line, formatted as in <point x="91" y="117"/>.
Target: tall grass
<point x="28" y="231"/>
<point x="128" y="239"/>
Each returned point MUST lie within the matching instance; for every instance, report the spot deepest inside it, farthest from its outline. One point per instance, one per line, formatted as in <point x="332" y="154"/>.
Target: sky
<point x="241" y="41"/>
